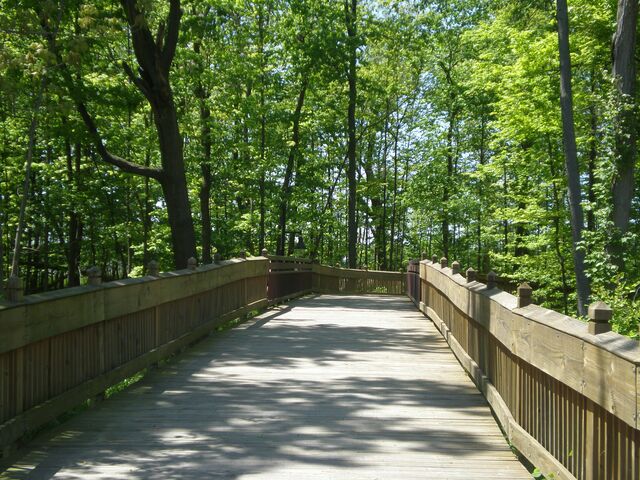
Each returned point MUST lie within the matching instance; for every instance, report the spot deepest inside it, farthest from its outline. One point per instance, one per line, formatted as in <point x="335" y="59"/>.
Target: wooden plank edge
<point x="36" y="417"/>
<point x="528" y="446"/>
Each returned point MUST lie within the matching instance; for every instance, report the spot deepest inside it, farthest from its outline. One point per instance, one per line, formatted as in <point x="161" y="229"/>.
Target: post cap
<point x="525" y="294"/>
<point x="242" y="254"/>
<point x="472" y="275"/>
<point x="434" y="259"/>
<point x="525" y="290"/>
<point x="264" y="252"/>
<point x="491" y="279"/>
<point x="444" y="262"/>
<point x="192" y="263"/>
<point x="95" y="275"/>
<point x="455" y="267"/>
<point x="424" y="256"/>
<point x="600" y="312"/>
<point x="153" y="269"/>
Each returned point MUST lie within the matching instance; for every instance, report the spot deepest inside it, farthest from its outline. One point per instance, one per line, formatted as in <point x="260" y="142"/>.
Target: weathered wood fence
<point x="566" y="393"/>
<point x="60" y="348"/>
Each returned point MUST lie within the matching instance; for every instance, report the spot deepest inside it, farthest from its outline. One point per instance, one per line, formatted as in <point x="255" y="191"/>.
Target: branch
<point x="173" y="29"/>
<point x="143" y="43"/>
<point x="139" y="82"/>
<point x="107" y="156"/>
<point x="75" y="91"/>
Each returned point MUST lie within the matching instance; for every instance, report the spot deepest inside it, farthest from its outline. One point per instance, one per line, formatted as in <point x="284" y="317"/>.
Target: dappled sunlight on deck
<point x="324" y="387"/>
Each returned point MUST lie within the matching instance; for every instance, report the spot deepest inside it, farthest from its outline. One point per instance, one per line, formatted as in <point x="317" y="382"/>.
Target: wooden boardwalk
<point x="324" y="387"/>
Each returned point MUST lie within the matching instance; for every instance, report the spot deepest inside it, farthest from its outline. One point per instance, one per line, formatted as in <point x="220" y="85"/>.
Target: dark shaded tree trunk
<point x="394" y="204"/>
<point x="483" y="161"/>
<point x="350" y="7"/>
<point x="204" y="194"/>
<point x="27" y="179"/>
<point x="624" y="73"/>
<point x="593" y="156"/>
<point x="571" y="158"/>
<point x="288" y="177"/>
<point x="75" y="229"/>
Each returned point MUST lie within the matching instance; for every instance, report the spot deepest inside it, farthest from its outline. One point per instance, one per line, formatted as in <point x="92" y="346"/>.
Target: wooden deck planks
<point x="325" y="387"/>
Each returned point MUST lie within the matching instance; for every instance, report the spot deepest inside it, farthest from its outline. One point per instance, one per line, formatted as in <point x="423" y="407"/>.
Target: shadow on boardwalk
<point x="335" y="387"/>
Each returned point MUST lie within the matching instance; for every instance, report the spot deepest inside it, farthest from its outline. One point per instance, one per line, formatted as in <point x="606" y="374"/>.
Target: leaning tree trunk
<point x="571" y="157"/>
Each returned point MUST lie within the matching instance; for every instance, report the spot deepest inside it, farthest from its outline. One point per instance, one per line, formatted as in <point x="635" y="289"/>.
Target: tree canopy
<point x="374" y="130"/>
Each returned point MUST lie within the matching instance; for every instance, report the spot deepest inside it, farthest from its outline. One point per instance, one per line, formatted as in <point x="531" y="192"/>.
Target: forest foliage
<point x="435" y="124"/>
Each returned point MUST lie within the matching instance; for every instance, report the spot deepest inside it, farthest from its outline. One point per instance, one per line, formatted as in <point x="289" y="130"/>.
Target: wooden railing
<point x="567" y="399"/>
<point x="347" y="281"/>
<point x="59" y="349"/>
<point x="288" y="277"/>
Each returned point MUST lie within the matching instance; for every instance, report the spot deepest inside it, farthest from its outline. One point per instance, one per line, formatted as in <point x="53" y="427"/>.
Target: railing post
<point x="444" y="262"/>
<point x="472" y="275"/>
<point x="455" y="267"/>
<point x="192" y="264"/>
<point x="599" y="315"/>
<point x="264" y="252"/>
<point x="525" y="295"/>
<point x="95" y="276"/>
<point x="492" y="278"/>
<point x="153" y="269"/>
<point x="15" y="291"/>
<point x="217" y="258"/>
<point x="243" y="254"/>
<point x="434" y="259"/>
<point x="424" y="256"/>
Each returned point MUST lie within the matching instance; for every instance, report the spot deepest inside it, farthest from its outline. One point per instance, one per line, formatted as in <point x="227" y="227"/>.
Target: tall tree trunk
<point x="174" y="183"/>
<point x="482" y="160"/>
<point x="293" y="154"/>
<point x="383" y="226"/>
<point x="74" y="244"/>
<point x="27" y="178"/>
<point x="624" y="73"/>
<point x="558" y="240"/>
<point x="571" y="157"/>
<point x="593" y="156"/>
<point x="204" y="194"/>
<point x="394" y="203"/>
<point x="350" y="7"/>
<point x="262" y="20"/>
<point x="446" y="185"/>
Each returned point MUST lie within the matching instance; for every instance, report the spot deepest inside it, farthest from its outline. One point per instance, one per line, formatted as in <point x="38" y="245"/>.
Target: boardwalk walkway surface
<point x="326" y="387"/>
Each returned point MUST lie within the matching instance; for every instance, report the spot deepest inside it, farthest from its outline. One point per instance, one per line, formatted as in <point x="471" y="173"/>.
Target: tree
<point x="571" y="158"/>
<point x="624" y="74"/>
<point x="154" y="57"/>
<point x="351" y="20"/>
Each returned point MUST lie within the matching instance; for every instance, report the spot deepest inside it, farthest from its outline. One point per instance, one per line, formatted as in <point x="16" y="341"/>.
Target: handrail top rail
<point x="284" y="258"/>
<point x="389" y="272"/>
<point x="616" y="344"/>
<point x="36" y="298"/>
